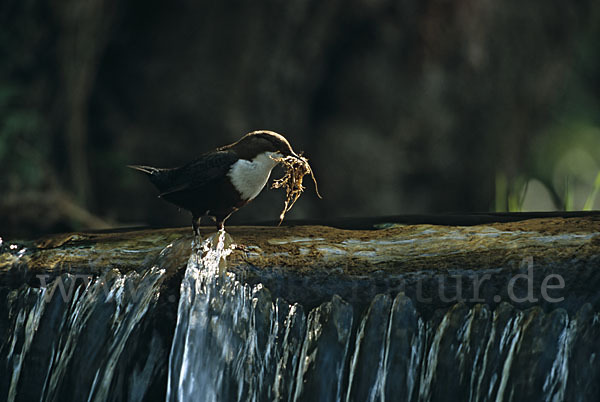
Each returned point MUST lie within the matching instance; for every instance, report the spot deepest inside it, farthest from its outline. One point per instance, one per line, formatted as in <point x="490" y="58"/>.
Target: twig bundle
<point x="296" y="167"/>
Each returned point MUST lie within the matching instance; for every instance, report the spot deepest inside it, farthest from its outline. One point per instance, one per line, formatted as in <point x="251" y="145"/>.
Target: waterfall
<point x="120" y="336"/>
<point x="235" y="342"/>
<point x="68" y="340"/>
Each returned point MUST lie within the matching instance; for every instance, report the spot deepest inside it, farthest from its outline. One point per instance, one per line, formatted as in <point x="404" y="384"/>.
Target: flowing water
<point x="227" y="340"/>
<point x="235" y="342"/>
<point x="72" y="340"/>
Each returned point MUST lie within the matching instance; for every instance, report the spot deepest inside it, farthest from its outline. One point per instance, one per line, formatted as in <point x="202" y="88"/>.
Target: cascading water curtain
<point x="234" y="342"/>
<point x="68" y="341"/>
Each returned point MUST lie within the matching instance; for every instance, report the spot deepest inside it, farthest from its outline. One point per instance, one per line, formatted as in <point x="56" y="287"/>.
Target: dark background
<point x="412" y="106"/>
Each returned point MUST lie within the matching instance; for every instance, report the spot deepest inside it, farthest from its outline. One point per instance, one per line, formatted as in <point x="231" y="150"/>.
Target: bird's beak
<point x="295" y="155"/>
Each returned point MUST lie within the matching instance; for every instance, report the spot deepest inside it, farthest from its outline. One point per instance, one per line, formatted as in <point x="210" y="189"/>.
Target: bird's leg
<point x="220" y="220"/>
<point x="196" y="220"/>
<point x="229" y="242"/>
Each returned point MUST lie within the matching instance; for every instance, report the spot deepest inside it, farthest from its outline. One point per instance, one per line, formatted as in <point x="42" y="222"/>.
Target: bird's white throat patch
<point x="250" y="177"/>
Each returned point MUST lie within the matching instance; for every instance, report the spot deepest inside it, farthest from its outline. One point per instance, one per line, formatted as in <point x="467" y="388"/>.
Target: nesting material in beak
<point x="296" y="167"/>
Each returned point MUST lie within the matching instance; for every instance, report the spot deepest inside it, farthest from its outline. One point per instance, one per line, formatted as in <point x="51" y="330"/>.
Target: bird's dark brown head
<point x="258" y="142"/>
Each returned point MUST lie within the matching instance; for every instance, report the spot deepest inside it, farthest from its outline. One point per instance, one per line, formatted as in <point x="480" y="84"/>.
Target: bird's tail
<point x="158" y="176"/>
<point x="146" y="169"/>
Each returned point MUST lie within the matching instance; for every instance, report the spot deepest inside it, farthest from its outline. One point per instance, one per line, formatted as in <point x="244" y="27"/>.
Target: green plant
<point x="589" y="202"/>
<point x="510" y="194"/>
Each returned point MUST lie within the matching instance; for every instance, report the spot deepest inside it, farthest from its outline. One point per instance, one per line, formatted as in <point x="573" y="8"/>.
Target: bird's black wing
<point x="198" y="173"/>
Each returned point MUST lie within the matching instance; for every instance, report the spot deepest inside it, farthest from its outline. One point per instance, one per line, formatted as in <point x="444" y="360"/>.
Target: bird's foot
<point x="224" y="240"/>
<point x="240" y="247"/>
<point x="215" y="248"/>
<point x="230" y="243"/>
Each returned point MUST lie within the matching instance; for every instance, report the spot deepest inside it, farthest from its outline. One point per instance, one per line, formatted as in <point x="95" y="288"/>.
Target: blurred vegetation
<point x="404" y="106"/>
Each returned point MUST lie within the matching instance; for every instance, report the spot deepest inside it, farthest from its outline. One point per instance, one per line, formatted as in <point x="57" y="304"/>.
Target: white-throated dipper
<point x="220" y="182"/>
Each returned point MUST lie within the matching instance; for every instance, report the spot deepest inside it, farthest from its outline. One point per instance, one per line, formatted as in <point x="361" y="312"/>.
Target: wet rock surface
<point x="309" y="264"/>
